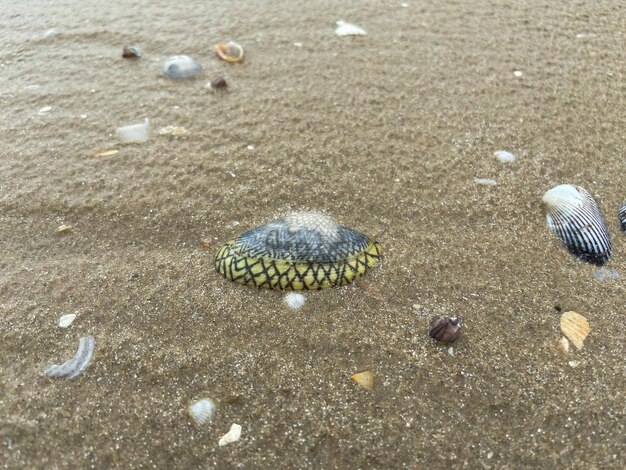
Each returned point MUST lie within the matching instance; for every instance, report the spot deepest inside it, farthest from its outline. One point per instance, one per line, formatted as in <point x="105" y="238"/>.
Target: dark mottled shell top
<point x="304" y="250"/>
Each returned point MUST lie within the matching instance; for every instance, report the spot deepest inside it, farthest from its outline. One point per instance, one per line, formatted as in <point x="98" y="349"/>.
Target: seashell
<point x="304" y="250"/>
<point x="72" y="368"/>
<point x="445" y="329"/>
<point x="574" y="216"/>
<point x="181" y="66"/>
<point x="365" y="379"/>
<point x="294" y="300"/>
<point x="202" y="411"/>
<point x="66" y="320"/>
<point x="230" y="52"/>
<point x="575" y="327"/>
<point x="131" y="52"/>
<point x="622" y="216"/>
<point x="233" y="435"/>
<point x="504" y="157"/>
<point x="135" y="132"/>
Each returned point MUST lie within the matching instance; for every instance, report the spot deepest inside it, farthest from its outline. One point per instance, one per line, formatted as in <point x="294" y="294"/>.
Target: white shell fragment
<point x="135" y="132"/>
<point x="66" y="320"/>
<point x="202" y="411"/>
<point x="181" y="66"/>
<point x="72" y="368"/>
<point x="294" y="300"/>
<point x="232" y="435"/>
<point x="485" y="181"/>
<point x="573" y="215"/>
<point x="605" y="274"/>
<point x="622" y="216"/>
<point x="504" y="157"/>
<point x="348" y="29"/>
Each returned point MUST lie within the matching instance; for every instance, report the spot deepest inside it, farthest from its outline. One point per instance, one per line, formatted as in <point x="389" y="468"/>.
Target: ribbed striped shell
<point x="574" y="216"/>
<point x="622" y="216"/>
<point x="305" y="250"/>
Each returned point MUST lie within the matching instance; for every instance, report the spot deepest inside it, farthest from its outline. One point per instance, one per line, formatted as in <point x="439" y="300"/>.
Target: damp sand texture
<point x="388" y="133"/>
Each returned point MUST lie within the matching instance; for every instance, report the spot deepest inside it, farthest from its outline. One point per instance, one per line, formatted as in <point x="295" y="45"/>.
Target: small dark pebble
<point x="131" y="52"/>
<point x="218" y="82"/>
<point x="445" y="329"/>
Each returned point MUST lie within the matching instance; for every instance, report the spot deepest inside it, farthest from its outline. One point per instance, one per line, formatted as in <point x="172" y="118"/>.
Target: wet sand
<point x="387" y="133"/>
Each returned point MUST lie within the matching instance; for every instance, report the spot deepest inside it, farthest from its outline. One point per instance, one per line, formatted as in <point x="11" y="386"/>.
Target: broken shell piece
<point x="135" y="132"/>
<point x="131" y="52"/>
<point x="504" y="157"/>
<point x="202" y="411"/>
<point x="171" y="130"/>
<point x="575" y="327"/>
<point x="230" y="52"/>
<point x="364" y="379"/>
<point x="217" y="83"/>
<point x="294" y="300"/>
<point x="622" y="216"/>
<point x="348" y="29"/>
<point x="181" y="66"/>
<point x="63" y="228"/>
<point x="445" y="329"/>
<point x="485" y="181"/>
<point x="574" y="216"/>
<point x="66" y="320"/>
<point x="105" y="153"/>
<point x="72" y="368"/>
<point x="564" y="346"/>
<point x="232" y="435"/>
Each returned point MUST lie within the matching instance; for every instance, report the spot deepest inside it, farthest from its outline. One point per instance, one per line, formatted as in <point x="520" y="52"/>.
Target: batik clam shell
<point x="574" y="216"/>
<point x="304" y="250"/>
<point x="622" y="216"/>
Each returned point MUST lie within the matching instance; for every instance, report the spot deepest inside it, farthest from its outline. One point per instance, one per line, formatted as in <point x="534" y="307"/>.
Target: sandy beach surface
<point x="386" y="132"/>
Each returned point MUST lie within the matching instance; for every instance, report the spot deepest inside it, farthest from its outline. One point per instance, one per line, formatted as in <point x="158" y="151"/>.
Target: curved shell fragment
<point x="574" y="216"/>
<point x="72" y="368"/>
<point x="230" y="51"/>
<point x="233" y="435"/>
<point x="575" y="327"/>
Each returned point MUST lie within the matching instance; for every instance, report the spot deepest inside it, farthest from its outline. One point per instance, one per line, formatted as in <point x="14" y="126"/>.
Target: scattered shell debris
<point x="231" y="436"/>
<point x="66" y="320"/>
<point x="181" y="66"/>
<point x="217" y="83"/>
<point x="294" y="300"/>
<point x="348" y="29"/>
<point x="445" y="329"/>
<point x="135" y="132"/>
<point x="230" y="51"/>
<point x="172" y="130"/>
<point x="105" y="152"/>
<point x="504" y="157"/>
<point x="63" y="228"/>
<point x="364" y="379"/>
<point x="575" y="218"/>
<point x="72" y="368"/>
<point x="605" y="274"/>
<point x="131" y="52"/>
<point x="485" y="181"/>
<point x="575" y="327"/>
<point x="202" y="411"/>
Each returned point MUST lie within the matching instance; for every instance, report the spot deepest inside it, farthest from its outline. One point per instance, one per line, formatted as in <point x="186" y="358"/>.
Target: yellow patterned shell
<point x="305" y="250"/>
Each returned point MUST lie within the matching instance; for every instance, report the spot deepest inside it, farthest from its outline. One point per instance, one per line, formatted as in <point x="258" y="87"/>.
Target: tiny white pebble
<point x="250" y="147"/>
<point x="66" y="320"/>
<point x="451" y="351"/>
<point x="44" y="110"/>
<point x="504" y="156"/>
<point x="489" y="455"/>
<point x="297" y="44"/>
<point x="294" y="300"/>
<point x="517" y="73"/>
<point x="232" y="435"/>
<point x="574" y="363"/>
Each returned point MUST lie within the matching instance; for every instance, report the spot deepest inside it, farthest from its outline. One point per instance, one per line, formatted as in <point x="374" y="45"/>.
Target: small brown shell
<point x="230" y="52"/>
<point x="575" y="327"/>
<point x="445" y="329"/>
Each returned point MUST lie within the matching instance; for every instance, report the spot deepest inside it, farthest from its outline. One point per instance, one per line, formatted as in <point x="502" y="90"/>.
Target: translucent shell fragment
<point x="575" y="327"/>
<point x="304" y="250"/>
<point x="574" y="216"/>
<point x="181" y="66"/>
<point x="230" y="51"/>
